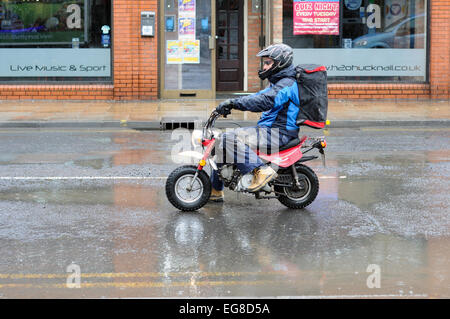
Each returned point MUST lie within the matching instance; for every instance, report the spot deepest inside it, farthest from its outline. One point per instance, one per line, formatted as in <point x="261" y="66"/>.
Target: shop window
<point x="55" y="40"/>
<point x="360" y="40"/>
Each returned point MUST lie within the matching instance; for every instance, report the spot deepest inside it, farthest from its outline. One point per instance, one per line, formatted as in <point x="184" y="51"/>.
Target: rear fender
<point x="287" y="157"/>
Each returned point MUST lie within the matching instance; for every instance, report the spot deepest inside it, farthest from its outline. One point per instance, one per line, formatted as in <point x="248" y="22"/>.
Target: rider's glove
<point x="225" y="107"/>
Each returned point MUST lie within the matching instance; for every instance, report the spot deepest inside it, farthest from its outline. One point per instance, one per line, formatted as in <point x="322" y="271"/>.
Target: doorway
<point x="188" y="61"/>
<point x="230" y="45"/>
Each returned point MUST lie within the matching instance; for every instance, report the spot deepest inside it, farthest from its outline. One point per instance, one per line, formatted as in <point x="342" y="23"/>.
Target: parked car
<point x="403" y="34"/>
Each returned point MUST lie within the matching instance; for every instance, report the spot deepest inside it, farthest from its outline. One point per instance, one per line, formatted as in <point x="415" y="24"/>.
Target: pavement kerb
<point x="157" y="125"/>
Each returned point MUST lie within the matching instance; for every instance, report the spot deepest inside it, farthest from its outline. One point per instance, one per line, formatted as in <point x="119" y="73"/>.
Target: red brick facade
<point x="135" y="57"/>
<point x="254" y="32"/>
<point x="135" y="61"/>
<point x="439" y="37"/>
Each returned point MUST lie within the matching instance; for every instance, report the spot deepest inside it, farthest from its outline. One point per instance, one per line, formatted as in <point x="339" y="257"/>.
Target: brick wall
<point x="56" y="92"/>
<point x="135" y="61"/>
<point x="378" y="91"/>
<point x="135" y="64"/>
<point x="254" y="31"/>
<point x="439" y="37"/>
<point x="135" y="57"/>
<point x="277" y="18"/>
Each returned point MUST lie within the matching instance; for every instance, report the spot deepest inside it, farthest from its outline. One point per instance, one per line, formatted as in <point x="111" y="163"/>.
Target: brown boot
<point x="216" y="196"/>
<point x="261" y="177"/>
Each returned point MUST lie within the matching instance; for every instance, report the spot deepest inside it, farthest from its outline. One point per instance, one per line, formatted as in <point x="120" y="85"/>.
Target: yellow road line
<point x="399" y="129"/>
<point x="147" y="284"/>
<point x="62" y="130"/>
<point x="137" y="275"/>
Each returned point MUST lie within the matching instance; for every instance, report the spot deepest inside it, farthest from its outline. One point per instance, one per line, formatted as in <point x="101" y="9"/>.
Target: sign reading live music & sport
<point x="316" y="17"/>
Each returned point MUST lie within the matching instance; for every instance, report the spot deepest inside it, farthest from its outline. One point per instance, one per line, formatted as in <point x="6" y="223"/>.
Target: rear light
<point x="323" y="144"/>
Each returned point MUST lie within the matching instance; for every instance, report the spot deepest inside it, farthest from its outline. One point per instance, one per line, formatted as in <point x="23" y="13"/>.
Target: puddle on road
<point x="383" y="213"/>
<point x="121" y="195"/>
<point x="130" y="228"/>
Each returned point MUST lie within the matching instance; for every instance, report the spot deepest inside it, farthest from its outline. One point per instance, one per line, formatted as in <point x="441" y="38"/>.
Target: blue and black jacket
<point x="278" y="102"/>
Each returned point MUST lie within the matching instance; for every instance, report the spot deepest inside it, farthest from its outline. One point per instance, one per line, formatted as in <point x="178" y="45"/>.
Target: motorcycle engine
<point x="227" y="172"/>
<point x="244" y="182"/>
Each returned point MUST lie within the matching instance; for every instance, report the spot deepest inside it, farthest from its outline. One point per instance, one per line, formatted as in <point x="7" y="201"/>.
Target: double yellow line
<point x="193" y="280"/>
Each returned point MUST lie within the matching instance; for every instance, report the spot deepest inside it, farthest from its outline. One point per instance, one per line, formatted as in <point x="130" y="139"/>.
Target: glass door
<point x="188" y="49"/>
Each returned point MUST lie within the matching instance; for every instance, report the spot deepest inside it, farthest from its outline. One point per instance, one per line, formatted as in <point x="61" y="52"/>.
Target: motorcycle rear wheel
<point x="179" y="196"/>
<point x="298" y="199"/>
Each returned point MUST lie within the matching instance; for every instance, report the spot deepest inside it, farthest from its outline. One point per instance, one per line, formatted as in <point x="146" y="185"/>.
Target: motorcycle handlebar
<point x="209" y="124"/>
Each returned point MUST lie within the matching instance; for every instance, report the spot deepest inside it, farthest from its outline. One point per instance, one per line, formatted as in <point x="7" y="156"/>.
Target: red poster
<point x="316" y="17"/>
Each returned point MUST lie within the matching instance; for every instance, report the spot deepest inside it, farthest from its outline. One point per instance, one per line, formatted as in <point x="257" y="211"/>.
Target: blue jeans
<point x="236" y="146"/>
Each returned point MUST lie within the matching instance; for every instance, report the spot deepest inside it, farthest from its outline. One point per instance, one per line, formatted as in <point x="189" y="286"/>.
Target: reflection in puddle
<point x="96" y="163"/>
<point x="121" y="195"/>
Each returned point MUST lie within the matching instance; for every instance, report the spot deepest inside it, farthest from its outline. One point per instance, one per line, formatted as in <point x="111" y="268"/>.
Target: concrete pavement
<point x="153" y="114"/>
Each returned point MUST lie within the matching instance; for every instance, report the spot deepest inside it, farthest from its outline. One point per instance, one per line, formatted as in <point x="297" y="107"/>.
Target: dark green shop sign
<point x="35" y="22"/>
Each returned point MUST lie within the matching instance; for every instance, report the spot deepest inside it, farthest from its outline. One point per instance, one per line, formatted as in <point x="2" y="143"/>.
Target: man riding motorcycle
<point x="276" y="126"/>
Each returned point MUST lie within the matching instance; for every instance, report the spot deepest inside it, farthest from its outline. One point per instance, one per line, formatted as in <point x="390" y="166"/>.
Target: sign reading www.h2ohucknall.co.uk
<point x="366" y="62"/>
<point x="316" y="17"/>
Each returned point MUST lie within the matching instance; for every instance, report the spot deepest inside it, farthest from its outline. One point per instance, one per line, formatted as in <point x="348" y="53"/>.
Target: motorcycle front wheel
<point x="300" y="198"/>
<point x="178" y="192"/>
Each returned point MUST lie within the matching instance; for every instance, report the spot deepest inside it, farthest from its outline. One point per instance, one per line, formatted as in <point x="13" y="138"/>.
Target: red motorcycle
<point x="188" y="187"/>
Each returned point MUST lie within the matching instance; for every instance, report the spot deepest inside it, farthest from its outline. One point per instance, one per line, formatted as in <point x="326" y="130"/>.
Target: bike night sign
<point x="316" y="17"/>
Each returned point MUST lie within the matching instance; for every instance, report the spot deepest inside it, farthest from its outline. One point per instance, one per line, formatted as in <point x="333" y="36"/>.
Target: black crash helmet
<point x="282" y="54"/>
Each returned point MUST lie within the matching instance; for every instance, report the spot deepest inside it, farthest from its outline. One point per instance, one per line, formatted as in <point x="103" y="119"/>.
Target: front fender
<point x="197" y="156"/>
<point x="191" y="154"/>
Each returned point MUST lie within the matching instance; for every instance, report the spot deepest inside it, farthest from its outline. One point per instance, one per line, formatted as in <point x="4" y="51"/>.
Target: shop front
<point x="55" y="41"/>
<point x="201" y="49"/>
<point x="371" y="48"/>
<point x="360" y="40"/>
<point x="205" y="46"/>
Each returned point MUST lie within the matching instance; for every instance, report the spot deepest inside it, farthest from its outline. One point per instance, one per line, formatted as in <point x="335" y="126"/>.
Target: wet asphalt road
<point x="380" y="226"/>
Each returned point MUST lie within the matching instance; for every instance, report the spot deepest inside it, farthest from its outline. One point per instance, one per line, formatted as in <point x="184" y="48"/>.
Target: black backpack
<point x="313" y="95"/>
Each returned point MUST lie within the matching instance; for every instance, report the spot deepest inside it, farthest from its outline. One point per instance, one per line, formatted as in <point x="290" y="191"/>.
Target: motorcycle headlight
<point x="196" y="138"/>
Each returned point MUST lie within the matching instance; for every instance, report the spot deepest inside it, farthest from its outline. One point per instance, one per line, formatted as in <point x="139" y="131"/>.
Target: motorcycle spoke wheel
<point x="178" y="192"/>
<point x="182" y="192"/>
<point x="299" y="194"/>
<point x="300" y="198"/>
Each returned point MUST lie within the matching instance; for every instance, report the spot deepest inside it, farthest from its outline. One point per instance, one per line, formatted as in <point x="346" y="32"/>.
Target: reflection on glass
<point x="191" y="76"/>
<point x="234" y="4"/>
<point x="375" y="24"/>
<point x="234" y="52"/>
<point x="407" y="33"/>
<point x="222" y="51"/>
<point x="234" y="36"/>
<point x="234" y="19"/>
<point x="222" y="36"/>
<point x="222" y="20"/>
<point x="38" y="25"/>
<point x="222" y="4"/>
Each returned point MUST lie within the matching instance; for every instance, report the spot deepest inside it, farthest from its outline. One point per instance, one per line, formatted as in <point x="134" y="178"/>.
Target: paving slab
<point x="150" y="114"/>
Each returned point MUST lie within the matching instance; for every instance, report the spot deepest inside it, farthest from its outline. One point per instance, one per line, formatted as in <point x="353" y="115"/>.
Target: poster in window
<point x="191" y="51"/>
<point x="174" y="52"/>
<point x="186" y="7"/>
<point x="39" y="22"/>
<point x="183" y="51"/>
<point x="316" y="17"/>
<point x="186" y="28"/>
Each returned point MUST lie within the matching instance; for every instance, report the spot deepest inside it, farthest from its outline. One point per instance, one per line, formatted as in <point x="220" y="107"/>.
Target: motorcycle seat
<point x="292" y="143"/>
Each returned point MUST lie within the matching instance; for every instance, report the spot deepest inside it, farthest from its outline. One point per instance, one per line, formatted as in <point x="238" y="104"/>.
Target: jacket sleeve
<point x="263" y="100"/>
